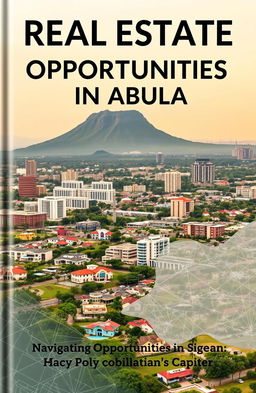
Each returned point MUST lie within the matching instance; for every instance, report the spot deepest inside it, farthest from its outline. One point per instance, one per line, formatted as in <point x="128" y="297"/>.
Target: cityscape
<point x="89" y="233"/>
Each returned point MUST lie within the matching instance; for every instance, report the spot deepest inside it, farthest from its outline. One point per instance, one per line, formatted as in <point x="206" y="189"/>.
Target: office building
<point x="20" y="218"/>
<point x="252" y="193"/>
<point x="78" y="195"/>
<point x="135" y="188"/>
<point x="31" y="168"/>
<point x="243" y="191"/>
<point x="126" y="252"/>
<point x="150" y="248"/>
<point x="55" y="208"/>
<point x="203" y="229"/>
<point x="69" y="174"/>
<point x="181" y="207"/>
<point x="87" y="225"/>
<point x="160" y="158"/>
<point x="27" y="187"/>
<point x="243" y="153"/>
<point x="172" y="181"/>
<point x="203" y="171"/>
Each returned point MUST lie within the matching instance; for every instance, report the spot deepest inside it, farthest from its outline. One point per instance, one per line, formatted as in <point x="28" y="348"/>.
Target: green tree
<point x="253" y="386"/>
<point x="91" y="286"/>
<point x="152" y="385"/>
<point x="116" y="236"/>
<point x="129" y="381"/>
<point x="117" y="304"/>
<point x="66" y="309"/>
<point x="117" y="317"/>
<point x="136" y="331"/>
<point x="115" y="263"/>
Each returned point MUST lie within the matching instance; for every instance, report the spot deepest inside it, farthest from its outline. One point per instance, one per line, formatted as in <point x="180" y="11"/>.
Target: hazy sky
<point x="217" y="109"/>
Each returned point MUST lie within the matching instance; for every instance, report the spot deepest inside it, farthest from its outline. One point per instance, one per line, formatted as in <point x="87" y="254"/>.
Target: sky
<point x="217" y="110"/>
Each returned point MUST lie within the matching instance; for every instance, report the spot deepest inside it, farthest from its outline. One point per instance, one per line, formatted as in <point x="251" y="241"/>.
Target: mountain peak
<point x="115" y="132"/>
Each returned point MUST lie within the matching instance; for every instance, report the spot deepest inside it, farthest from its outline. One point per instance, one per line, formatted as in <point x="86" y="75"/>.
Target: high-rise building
<point x="27" y="186"/>
<point x="159" y="158"/>
<point x="203" y="171"/>
<point x="172" y="181"/>
<point x="181" y="207"/>
<point x="55" y="208"/>
<point x="150" y="248"/>
<point x="243" y="153"/>
<point x="69" y="174"/>
<point x="31" y="168"/>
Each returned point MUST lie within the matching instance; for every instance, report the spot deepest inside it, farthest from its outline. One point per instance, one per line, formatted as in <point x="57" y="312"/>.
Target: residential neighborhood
<point x="88" y="246"/>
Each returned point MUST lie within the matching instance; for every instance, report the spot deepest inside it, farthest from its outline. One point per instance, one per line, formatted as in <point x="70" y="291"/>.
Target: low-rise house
<point x="103" y="329"/>
<point x="26" y="236"/>
<point x="30" y="255"/>
<point x="128" y="300"/>
<point x="143" y="324"/>
<point x="92" y="273"/>
<point x="101" y="234"/>
<point x="126" y="252"/>
<point x="72" y="259"/>
<point x="94" y="310"/>
<point x="13" y="273"/>
<point x="72" y="241"/>
<point x="151" y="341"/>
<point x="176" y="375"/>
<point x="85" y="299"/>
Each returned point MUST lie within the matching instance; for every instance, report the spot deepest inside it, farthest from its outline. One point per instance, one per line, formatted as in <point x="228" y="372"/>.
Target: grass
<point x="114" y="282"/>
<point x="50" y="290"/>
<point x="161" y="358"/>
<point x="204" y="339"/>
<point x="243" y="386"/>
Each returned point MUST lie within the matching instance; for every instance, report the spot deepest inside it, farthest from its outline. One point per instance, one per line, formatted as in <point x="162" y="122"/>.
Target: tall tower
<point x="203" y="171"/>
<point x="159" y="158"/>
<point x="31" y="168"/>
<point x="172" y="181"/>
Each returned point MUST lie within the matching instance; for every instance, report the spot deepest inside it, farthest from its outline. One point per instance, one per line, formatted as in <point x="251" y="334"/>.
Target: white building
<point x="172" y="181"/>
<point x="92" y="273"/>
<point x="55" y="208"/>
<point x="150" y="248"/>
<point x="78" y="195"/>
<point x="30" y="254"/>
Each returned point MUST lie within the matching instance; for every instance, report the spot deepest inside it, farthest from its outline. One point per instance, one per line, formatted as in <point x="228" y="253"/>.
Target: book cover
<point x="128" y="197"/>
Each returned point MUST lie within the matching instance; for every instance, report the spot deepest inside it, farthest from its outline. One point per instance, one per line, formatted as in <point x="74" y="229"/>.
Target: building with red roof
<point x="128" y="300"/>
<point x="92" y="273"/>
<point x="176" y="375"/>
<point x="102" y="329"/>
<point x="13" y="273"/>
<point x="143" y="324"/>
<point x="101" y="234"/>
